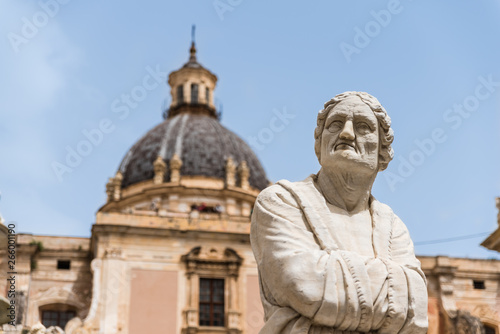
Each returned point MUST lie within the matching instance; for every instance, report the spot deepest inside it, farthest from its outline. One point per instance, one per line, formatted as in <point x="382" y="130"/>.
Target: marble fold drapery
<point x="310" y="283"/>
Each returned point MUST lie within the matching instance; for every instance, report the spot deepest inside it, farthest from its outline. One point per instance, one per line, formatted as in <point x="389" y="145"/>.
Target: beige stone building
<point x="170" y="252"/>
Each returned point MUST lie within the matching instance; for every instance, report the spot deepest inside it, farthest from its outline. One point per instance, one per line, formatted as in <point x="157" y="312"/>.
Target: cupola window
<point x="207" y="95"/>
<point x="194" y="93"/>
<point x="180" y="94"/>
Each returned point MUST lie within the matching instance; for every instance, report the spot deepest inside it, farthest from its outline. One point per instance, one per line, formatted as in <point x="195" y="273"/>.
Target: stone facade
<point x="143" y="265"/>
<point x="40" y="285"/>
<point x="145" y="274"/>
<point x="458" y="285"/>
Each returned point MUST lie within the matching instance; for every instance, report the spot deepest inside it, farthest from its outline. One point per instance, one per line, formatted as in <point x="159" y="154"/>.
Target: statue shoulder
<point x="280" y="192"/>
<point x="381" y="208"/>
<point x="276" y="195"/>
<point x="385" y="215"/>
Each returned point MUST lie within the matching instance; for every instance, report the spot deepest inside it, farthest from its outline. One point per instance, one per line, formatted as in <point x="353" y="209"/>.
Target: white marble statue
<point x="331" y="258"/>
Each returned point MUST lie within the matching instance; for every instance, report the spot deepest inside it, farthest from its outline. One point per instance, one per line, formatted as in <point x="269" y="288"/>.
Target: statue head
<point x="353" y="131"/>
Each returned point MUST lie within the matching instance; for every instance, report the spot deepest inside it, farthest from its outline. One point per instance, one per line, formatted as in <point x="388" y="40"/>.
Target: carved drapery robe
<point x="310" y="282"/>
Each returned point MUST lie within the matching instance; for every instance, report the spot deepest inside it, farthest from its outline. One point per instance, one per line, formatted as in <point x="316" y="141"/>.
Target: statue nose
<point x="347" y="131"/>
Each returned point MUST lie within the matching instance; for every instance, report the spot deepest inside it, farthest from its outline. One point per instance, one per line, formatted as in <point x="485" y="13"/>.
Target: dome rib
<point x="201" y="142"/>
<point x="180" y="137"/>
<point x="164" y="143"/>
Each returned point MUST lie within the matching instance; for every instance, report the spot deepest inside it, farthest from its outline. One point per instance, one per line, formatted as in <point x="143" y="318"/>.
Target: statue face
<point x="350" y="137"/>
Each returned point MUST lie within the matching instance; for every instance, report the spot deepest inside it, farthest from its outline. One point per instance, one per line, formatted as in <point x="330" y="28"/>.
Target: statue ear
<point x="317" y="148"/>
<point x="382" y="165"/>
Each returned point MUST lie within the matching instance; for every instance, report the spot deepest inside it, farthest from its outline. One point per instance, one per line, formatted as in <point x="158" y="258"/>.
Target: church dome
<point x="202" y="144"/>
<point x="190" y="143"/>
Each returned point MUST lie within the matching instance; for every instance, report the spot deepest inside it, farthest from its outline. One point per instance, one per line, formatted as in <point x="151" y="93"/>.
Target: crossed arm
<point x="336" y="289"/>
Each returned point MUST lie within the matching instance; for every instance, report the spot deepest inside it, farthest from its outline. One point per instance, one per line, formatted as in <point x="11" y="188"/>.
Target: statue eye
<point x="335" y="125"/>
<point x="363" y="127"/>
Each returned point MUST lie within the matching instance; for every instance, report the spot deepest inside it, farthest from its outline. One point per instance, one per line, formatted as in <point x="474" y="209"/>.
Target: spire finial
<point x="192" y="51"/>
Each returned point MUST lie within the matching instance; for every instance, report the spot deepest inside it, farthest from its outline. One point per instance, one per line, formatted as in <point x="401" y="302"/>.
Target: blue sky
<point x="434" y="66"/>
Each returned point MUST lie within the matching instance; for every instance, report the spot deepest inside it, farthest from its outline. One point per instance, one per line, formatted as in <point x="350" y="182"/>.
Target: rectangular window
<point x="479" y="285"/>
<point x="211" y="302"/>
<point x="64" y="264"/>
<point x="180" y="94"/>
<point x="194" y="93"/>
<point x="57" y="318"/>
<point x="207" y="95"/>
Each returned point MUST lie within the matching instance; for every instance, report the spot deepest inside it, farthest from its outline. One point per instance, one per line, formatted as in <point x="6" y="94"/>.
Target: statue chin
<point x="348" y="162"/>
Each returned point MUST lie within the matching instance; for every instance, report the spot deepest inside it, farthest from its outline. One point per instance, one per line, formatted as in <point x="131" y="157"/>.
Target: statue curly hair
<point x="386" y="134"/>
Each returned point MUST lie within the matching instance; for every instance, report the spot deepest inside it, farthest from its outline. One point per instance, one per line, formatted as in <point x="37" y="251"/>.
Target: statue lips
<point x="344" y="146"/>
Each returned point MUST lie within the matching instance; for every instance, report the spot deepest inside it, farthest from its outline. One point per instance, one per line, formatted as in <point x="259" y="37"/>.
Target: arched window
<point x="56" y="315"/>
<point x="194" y="93"/>
<point x="489" y="329"/>
<point x="207" y="95"/>
<point x="180" y="94"/>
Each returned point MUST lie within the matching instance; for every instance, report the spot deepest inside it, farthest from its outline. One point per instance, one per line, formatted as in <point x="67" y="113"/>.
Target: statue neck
<point x="346" y="190"/>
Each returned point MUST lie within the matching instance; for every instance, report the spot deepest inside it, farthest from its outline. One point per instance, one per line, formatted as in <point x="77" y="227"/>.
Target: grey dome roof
<point x="201" y="142"/>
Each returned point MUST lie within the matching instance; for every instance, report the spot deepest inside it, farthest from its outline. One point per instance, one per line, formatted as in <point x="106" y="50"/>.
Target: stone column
<point x="175" y="169"/>
<point x="110" y="189"/>
<point x="246" y="208"/>
<point x="233" y="313"/>
<point x="230" y="173"/>
<point x="192" y="291"/>
<point x="117" y="184"/>
<point x="114" y="285"/>
<point x="445" y="273"/>
<point x="26" y="262"/>
<point x="244" y="174"/>
<point x="187" y="92"/>
<point x="160" y="168"/>
<point x="173" y="202"/>
<point x="231" y="206"/>
<point x="497" y="201"/>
